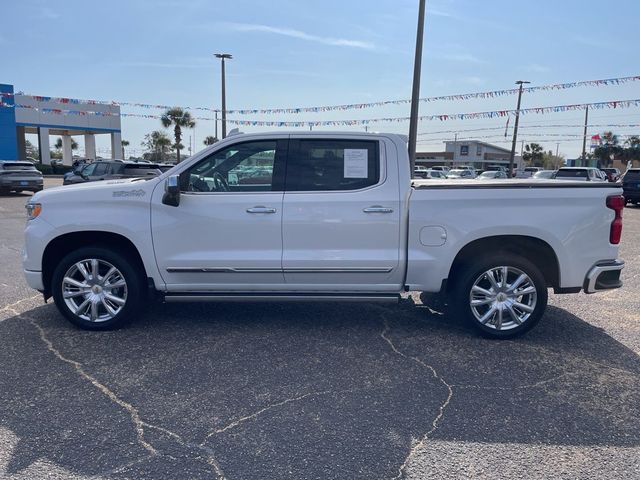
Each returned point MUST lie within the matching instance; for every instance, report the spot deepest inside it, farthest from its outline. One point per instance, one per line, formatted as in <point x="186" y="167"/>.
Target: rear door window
<point x="327" y="165"/>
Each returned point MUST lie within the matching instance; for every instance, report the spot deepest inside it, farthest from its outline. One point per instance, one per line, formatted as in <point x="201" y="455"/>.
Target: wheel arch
<point x="533" y="249"/>
<point x="63" y="244"/>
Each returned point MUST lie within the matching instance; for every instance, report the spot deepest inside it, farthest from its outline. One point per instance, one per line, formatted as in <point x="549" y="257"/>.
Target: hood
<point x="126" y="188"/>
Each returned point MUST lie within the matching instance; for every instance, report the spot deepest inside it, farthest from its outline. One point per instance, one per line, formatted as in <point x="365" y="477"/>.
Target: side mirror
<point x="172" y="191"/>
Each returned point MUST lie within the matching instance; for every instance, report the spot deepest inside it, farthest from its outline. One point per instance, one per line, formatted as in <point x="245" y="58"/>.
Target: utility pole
<point x="216" y="122"/>
<point x="515" y="128"/>
<point x="455" y="148"/>
<point x="557" y="148"/>
<point x="415" y="94"/>
<point x="223" y="57"/>
<point x="584" y="135"/>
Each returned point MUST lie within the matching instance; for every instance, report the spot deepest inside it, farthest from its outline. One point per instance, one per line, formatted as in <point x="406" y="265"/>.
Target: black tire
<point x="131" y="294"/>
<point x="475" y="273"/>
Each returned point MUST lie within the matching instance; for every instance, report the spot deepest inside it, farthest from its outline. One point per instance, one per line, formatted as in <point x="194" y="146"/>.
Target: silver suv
<point x="17" y="176"/>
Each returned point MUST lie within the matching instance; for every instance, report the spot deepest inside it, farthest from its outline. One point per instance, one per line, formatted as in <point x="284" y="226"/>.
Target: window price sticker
<point x="356" y="164"/>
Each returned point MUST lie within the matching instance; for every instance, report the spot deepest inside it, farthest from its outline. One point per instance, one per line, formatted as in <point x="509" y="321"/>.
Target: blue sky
<point x="293" y="53"/>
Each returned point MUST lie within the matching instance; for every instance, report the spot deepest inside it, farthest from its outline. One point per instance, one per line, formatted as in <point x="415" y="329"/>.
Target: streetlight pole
<point x="222" y="57"/>
<point x="515" y="127"/>
<point x="415" y="94"/>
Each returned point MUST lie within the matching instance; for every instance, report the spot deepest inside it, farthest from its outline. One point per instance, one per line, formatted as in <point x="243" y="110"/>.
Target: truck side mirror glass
<point x="172" y="191"/>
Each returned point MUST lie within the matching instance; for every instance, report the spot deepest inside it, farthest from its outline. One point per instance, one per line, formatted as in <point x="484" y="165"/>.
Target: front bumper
<point x="604" y="276"/>
<point x="34" y="280"/>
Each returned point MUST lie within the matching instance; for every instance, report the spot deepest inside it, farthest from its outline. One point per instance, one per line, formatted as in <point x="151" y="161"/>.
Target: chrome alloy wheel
<point x="503" y="298"/>
<point x="94" y="290"/>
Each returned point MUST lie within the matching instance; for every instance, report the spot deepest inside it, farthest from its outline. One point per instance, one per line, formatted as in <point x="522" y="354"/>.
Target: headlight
<point x="33" y="210"/>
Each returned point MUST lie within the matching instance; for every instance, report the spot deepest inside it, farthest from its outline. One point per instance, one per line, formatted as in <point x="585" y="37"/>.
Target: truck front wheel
<point x="96" y="288"/>
<point x="502" y="296"/>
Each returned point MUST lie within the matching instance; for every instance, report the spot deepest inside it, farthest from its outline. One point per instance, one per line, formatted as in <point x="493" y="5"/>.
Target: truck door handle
<point x="261" y="209"/>
<point x="377" y="209"/>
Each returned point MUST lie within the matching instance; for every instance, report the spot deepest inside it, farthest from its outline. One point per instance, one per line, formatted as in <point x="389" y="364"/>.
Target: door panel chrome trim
<point x="338" y="270"/>
<point x="222" y="270"/>
<point x="277" y="270"/>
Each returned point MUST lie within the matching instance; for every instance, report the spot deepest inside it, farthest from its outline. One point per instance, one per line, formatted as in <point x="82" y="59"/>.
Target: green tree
<point x="125" y="143"/>
<point x="210" y="140"/>
<point x="158" y="144"/>
<point x="533" y="154"/>
<point x="551" y="161"/>
<point x="608" y="148"/>
<point x="32" y="150"/>
<point x="632" y="148"/>
<point x="179" y="119"/>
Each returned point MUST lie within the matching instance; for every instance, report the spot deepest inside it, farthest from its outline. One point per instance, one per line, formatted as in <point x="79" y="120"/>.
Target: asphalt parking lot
<point x="252" y="391"/>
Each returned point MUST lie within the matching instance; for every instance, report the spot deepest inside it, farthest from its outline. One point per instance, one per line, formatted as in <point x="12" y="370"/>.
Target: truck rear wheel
<point x="502" y="296"/>
<point x="97" y="288"/>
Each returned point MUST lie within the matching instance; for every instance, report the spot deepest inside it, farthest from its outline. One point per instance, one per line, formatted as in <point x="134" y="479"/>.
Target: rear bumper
<point x="34" y="280"/>
<point x="604" y="276"/>
<point x="27" y="183"/>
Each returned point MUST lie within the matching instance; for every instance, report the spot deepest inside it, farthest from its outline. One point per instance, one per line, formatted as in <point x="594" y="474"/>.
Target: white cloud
<point x="47" y="12"/>
<point x="537" y="68"/>
<point x="460" y="57"/>
<point x="290" y="32"/>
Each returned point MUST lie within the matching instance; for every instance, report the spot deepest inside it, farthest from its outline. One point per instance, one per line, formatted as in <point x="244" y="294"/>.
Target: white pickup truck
<point x="320" y="217"/>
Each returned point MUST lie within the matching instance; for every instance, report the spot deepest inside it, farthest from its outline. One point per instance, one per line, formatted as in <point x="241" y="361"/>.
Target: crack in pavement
<point x="516" y="387"/>
<point x="436" y="420"/>
<point x="241" y="420"/>
<point x="11" y="307"/>
<point x="138" y="423"/>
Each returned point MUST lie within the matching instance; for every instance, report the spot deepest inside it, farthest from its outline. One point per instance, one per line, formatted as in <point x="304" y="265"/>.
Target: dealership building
<point x="45" y="116"/>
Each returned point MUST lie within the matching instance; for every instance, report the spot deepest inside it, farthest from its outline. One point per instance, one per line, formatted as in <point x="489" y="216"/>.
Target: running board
<point x="279" y="297"/>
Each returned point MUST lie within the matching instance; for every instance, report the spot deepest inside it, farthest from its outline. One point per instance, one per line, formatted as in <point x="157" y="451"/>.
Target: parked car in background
<point x="17" y="176"/>
<point x="461" y="173"/>
<point x="545" y="174"/>
<point x="420" y="171"/>
<point x="584" y="174"/>
<point x="491" y="174"/>
<point x="531" y="171"/>
<point x="423" y="172"/>
<point x="442" y="168"/>
<point x="165" y="166"/>
<point x="631" y="186"/>
<point x="97" y="171"/>
<point x="613" y="174"/>
<point x="496" y="168"/>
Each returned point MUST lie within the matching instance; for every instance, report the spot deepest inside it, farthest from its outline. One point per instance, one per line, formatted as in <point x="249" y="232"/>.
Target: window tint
<point x="243" y="167"/>
<point x="101" y="169"/>
<point x="315" y="165"/>
<point x="632" y="175"/>
<point x="577" y="173"/>
<point x="89" y="169"/>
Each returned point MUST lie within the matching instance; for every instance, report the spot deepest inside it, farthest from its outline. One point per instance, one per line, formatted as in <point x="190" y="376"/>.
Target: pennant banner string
<point x="349" y="106"/>
<point x="443" y="117"/>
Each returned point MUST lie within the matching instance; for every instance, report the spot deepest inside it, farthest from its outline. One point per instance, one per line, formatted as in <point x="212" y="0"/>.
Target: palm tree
<point x="210" y="140"/>
<point x="58" y="144"/>
<point x="125" y="143"/>
<point x="178" y="118"/>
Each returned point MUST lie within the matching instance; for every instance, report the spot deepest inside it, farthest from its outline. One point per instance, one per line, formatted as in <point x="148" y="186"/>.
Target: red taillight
<point x="616" y="203"/>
